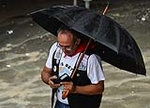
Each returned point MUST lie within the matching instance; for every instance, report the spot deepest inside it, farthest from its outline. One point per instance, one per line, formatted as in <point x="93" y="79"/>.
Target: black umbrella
<point x="113" y="43"/>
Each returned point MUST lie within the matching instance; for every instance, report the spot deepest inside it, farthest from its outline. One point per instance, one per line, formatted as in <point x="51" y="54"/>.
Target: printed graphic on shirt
<point x="66" y="66"/>
<point x="64" y="70"/>
<point x="83" y="64"/>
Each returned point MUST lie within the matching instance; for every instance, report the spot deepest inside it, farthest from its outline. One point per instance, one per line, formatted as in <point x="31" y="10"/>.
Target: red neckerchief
<point x="82" y="47"/>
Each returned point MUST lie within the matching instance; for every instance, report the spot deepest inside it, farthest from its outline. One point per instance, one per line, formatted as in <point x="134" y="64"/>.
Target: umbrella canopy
<point x="113" y="43"/>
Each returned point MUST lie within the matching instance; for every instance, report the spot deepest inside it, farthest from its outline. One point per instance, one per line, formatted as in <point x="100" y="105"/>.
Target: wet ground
<point x="24" y="47"/>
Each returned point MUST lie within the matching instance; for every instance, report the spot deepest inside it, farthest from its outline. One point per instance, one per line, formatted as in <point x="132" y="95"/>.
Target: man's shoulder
<point x="53" y="47"/>
<point x="94" y="57"/>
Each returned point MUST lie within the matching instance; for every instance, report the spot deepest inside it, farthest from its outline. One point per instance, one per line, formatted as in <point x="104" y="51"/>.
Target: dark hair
<point x="63" y="28"/>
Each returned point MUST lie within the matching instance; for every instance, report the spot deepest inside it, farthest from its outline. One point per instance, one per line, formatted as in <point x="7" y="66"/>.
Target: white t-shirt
<point x="90" y="63"/>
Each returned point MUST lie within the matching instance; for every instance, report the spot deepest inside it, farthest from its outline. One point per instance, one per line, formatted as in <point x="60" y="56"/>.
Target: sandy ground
<point x="24" y="47"/>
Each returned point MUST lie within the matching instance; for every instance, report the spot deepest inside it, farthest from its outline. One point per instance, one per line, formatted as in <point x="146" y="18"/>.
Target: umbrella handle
<point x="106" y="8"/>
<point x="65" y="93"/>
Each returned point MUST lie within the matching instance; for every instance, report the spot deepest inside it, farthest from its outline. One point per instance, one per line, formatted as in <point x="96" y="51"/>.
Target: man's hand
<point x="52" y="84"/>
<point x="68" y="86"/>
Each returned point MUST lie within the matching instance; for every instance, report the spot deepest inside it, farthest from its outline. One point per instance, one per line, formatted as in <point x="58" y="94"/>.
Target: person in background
<point x="87" y="86"/>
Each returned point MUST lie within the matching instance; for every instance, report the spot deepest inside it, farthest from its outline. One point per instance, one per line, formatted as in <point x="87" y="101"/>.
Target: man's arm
<point x="47" y="77"/>
<point x="91" y="89"/>
<point x="46" y="74"/>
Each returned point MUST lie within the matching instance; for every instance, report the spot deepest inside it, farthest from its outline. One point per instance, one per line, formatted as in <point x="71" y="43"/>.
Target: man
<point x="85" y="89"/>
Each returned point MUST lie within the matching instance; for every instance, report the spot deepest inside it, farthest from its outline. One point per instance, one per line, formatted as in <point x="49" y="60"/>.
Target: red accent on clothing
<point x="82" y="47"/>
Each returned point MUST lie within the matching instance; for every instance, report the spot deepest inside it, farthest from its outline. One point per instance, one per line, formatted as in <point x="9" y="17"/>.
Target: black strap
<point x="54" y="73"/>
<point x="53" y="97"/>
<point x="76" y="63"/>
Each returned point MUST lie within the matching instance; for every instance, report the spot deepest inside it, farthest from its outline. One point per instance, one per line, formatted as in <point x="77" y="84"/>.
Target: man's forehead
<point x="65" y="33"/>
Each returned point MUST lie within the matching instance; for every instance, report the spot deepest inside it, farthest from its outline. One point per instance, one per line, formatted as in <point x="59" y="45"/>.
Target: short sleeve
<point x="51" y="52"/>
<point x="94" y="69"/>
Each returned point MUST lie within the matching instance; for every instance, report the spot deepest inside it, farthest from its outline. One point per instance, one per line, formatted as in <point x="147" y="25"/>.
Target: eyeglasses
<point x="68" y="48"/>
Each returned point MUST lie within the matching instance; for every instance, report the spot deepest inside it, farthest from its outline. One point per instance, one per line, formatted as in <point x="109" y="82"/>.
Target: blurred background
<point x="24" y="47"/>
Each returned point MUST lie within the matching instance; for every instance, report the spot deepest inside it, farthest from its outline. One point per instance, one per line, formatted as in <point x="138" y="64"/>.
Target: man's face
<point x="66" y="42"/>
